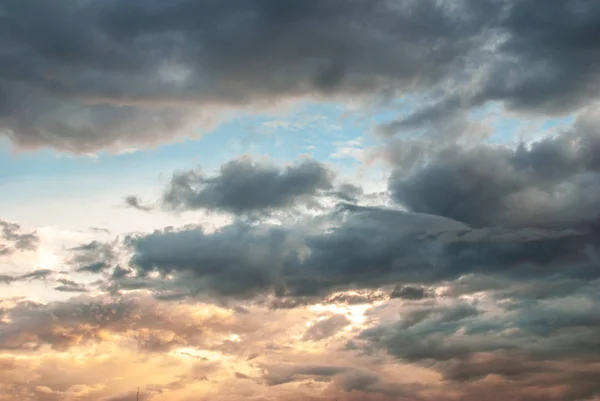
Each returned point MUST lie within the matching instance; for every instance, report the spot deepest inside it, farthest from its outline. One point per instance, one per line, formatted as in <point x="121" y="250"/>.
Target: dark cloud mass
<point x="552" y="183"/>
<point x="80" y="76"/>
<point x="247" y="186"/>
<point x="359" y="248"/>
<point x="476" y="277"/>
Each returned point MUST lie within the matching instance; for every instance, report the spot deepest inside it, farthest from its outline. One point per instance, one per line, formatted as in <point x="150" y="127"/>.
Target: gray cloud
<point x="410" y="292"/>
<point x="6" y="279"/>
<point x="100" y="230"/>
<point x="237" y="260"/>
<point x="39" y="274"/>
<point x="247" y="186"/>
<point x="326" y="328"/>
<point x="279" y="374"/>
<point x="356" y="248"/>
<point x="136" y="203"/>
<point x="529" y="65"/>
<point x="554" y="182"/>
<point x="543" y="343"/>
<point x="15" y="239"/>
<point x="108" y="75"/>
<point x="103" y="74"/>
<point x="67" y="285"/>
<point x="93" y="257"/>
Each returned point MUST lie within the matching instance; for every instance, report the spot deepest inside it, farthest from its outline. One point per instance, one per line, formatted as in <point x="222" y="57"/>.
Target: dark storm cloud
<point x="104" y="74"/>
<point x="375" y="247"/>
<point x="359" y="248"/>
<point x="109" y="74"/>
<point x="237" y="260"/>
<point x="247" y="186"/>
<point x="544" y="60"/>
<point x="15" y="239"/>
<point x="552" y="183"/>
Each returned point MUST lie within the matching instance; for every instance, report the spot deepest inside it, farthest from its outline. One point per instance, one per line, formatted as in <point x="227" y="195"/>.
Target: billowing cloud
<point x="357" y="248"/>
<point x="247" y="186"/>
<point x="554" y="182"/>
<point x="475" y="277"/>
<point x="108" y="75"/>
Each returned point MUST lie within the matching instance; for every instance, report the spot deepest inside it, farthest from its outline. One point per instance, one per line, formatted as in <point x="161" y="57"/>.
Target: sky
<point x="341" y="200"/>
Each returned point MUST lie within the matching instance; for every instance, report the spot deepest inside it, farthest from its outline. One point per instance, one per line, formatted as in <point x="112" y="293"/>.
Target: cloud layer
<point x="474" y="274"/>
<point x="110" y="75"/>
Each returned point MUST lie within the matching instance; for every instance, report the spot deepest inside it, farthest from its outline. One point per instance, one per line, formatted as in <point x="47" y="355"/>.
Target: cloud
<point x="247" y="186"/>
<point x="525" y="64"/>
<point x="70" y="286"/>
<point x="39" y="274"/>
<point x="410" y="292"/>
<point x="112" y="75"/>
<point x="136" y="203"/>
<point x="326" y="328"/>
<point x="525" y="343"/>
<point x="237" y="260"/>
<point x="106" y="74"/>
<point x="14" y="239"/>
<point x="153" y="326"/>
<point x="354" y="248"/>
<point x="552" y="183"/>
<point x="93" y="257"/>
<point x="280" y="374"/>
<point x="6" y="279"/>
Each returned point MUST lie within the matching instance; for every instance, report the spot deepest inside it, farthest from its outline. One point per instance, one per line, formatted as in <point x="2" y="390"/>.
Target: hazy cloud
<point x="326" y="328"/>
<point x="93" y="257"/>
<point x="14" y="239"/>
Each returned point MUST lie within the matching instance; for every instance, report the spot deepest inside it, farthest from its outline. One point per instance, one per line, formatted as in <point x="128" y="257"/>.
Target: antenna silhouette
<point x="137" y="396"/>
